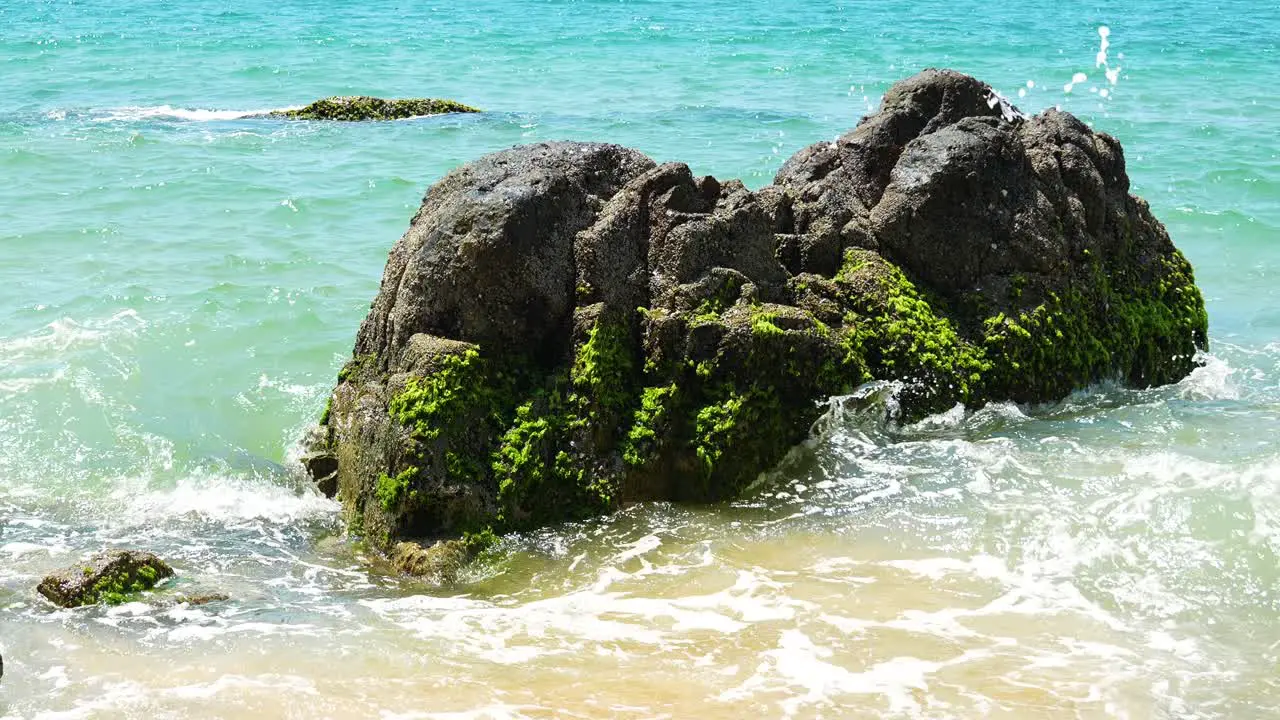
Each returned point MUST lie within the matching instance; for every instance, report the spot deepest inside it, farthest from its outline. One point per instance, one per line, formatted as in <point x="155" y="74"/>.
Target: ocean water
<point x="180" y="283"/>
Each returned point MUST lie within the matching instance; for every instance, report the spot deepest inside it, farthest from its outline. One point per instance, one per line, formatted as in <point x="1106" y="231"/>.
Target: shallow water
<point x="180" y="283"/>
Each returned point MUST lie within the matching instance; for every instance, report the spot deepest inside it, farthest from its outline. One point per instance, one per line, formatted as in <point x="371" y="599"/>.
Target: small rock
<point x="353" y="109"/>
<point x="322" y="467"/>
<point x="110" y="577"/>
<point x="439" y="563"/>
<point x="202" y="598"/>
<point x="319" y="464"/>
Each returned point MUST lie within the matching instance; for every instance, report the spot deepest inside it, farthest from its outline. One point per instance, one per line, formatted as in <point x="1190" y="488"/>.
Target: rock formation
<point x="353" y="109"/>
<point x="110" y="577"/>
<point x="568" y="327"/>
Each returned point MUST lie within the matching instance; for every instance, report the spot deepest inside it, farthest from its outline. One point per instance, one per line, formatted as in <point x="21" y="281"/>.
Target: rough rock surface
<point x="357" y="108"/>
<point x="110" y="577"/>
<point x="569" y="327"/>
<point x="196" y="599"/>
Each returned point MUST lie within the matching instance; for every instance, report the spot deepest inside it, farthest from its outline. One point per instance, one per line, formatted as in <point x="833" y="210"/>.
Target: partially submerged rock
<point x="111" y="577"/>
<point x="439" y="562"/>
<point x="568" y="327"/>
<point x="198" y="598"/>
<point x="354" y="108"/>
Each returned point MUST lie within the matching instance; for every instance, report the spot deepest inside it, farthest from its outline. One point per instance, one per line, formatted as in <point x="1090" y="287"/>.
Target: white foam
<point x="982" y="566"/>
<point x="1075" y="80"/>
<point x="288" y="388"/>
<point x="1213" y="379"/>
<point x="57" y="675"/>
<point x="496" y="711"/>
<point x="23" y="385"/>
<point x="222" y="498"/>
<point x="587" y="619"/>
<point x="237" y="683"/>
<point x="948" y="419"/>
<point x="1007" y="110"/>
<point x="65" y="333"/>
<point x="644" y="545"/>
<point x="106" y="701"/>
<point x="133" y="113"/>
<point x="798" y="667"/>
<point x="16" y="550"/>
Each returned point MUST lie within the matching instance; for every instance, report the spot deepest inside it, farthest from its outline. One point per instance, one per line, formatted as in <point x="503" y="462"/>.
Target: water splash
<point x="135" y="113"/>
<point x="1102" y="62"/>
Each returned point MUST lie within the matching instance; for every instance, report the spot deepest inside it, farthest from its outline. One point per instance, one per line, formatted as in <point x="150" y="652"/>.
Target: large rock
<point x="110" y="577"/>
<point x="567" y="327"/>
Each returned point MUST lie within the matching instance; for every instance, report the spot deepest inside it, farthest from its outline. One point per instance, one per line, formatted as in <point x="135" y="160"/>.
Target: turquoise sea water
<point x="179" y="285"/>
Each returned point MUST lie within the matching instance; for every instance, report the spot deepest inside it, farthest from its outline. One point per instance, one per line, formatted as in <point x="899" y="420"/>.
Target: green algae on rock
<point x="569" y="327"/>
<point x="356" y="108"/>
<point x="111" y="577"/>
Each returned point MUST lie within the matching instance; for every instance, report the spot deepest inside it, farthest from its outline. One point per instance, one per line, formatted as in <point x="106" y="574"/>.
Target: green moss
<point x="358" y="366"/>
<point x="714" y="430"/>
<point x="645" y="422"/>
<point x="355" y="523"/>
<point x="433" y="405"/>
<point x="477" y="542"/>
<point x="1127" y="326"/>
<point x="121" y="587"/>
<point x="738" y="434"/>
<point x="603" y="366"/>
<point x="762" y="323"/>
<point x="711" y="309"/>
<point x="391" y="491"/>
<point x="544" y="463"/>
<point x="466" y="420"/>
<point x="706" y="314"/>
<point x="454" y="417"/>
<point x="520" y="445"/>
<point x="539" y="481"/>
<point x="1016" y="285"/>
<point x="1139" y="330"/>
<point x="895" y="333"/>
<point x="355" y="108"/>
<point x="853" y="361"/>
<point x="328" y="410"/>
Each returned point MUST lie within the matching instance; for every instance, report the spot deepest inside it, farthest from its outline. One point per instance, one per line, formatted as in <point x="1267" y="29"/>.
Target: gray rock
<point x="110" y="577"/>
<point x="489" y="258"/>
<point x="199" y="598"/>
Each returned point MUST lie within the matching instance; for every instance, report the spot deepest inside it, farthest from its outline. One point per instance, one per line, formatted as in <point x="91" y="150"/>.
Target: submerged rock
<point x="439" y="562"/>
<point x="111" y="577"/>
<point x="354" y="108"/>
<point x="568" y="327"/>
<point x="198" y="599"/>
